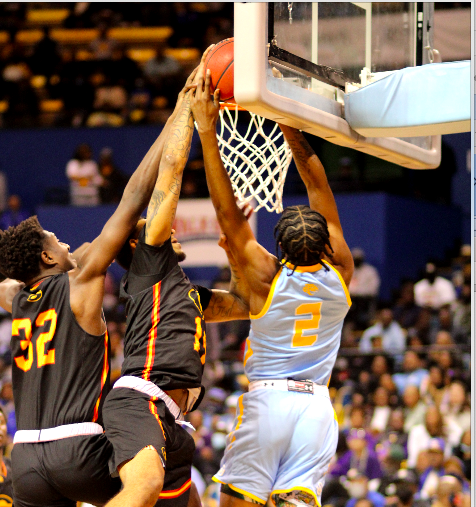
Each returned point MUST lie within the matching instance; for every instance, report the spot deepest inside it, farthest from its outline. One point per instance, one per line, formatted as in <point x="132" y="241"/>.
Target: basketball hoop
<point x="257" y="162"/>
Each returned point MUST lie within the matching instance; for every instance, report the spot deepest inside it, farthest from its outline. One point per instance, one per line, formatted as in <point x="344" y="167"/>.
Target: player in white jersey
<point x="285" y="432"/>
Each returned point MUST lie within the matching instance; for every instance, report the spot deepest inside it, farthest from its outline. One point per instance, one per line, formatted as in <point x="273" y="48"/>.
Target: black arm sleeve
<point x="205" y="296"/>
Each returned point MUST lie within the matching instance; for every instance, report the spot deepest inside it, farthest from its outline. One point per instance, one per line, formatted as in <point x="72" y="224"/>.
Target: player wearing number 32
<point x="297" y="305"/>
<point x="61" y="352"/>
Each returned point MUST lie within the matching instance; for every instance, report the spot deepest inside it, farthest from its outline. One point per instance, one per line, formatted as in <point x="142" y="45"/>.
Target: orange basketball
<point x="220" y="63"/>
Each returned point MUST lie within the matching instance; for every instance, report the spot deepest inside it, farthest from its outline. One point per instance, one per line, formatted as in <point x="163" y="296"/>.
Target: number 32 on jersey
<point x="43" y="358"/>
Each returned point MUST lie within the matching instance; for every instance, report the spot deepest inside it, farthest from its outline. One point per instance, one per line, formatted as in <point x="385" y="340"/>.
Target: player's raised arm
<point x="321" y="198"/>
<point x="96" y="259"/>
<point x="258" y="265"/>
<point x="8" y="289"/>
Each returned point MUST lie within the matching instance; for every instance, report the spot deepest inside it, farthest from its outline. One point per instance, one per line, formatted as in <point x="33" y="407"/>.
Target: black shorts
<point x="62" y="472"/>
<point x="133" y="420"/>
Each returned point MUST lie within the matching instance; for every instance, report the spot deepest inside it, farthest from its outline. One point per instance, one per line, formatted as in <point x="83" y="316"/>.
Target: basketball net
<point x="256" y="162"/>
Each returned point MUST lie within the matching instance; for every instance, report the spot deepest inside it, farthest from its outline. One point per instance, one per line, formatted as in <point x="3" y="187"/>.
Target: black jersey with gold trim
<point x="165" y="340"/>
<point x="60" y="373"/>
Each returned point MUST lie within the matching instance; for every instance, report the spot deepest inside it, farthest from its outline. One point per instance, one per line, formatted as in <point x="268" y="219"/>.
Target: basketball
<point x="220" y="62"/>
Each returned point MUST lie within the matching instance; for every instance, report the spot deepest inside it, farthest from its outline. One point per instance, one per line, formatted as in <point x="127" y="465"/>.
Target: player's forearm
<point x="307" y="162"/>
<point x="165" y="197"/>
<point x="219" y="185"/>
<point x="238" y="283"/>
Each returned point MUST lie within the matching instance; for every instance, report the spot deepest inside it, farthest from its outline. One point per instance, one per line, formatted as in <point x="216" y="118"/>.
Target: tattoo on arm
<point x="221" y="307"/>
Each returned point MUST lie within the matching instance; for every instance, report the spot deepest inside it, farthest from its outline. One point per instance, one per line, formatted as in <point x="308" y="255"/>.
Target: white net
<point x="257" y="161"/>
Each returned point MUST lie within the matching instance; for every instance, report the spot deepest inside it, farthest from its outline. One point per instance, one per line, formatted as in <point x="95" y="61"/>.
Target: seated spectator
<point x="413" y="372"/>
<point x="359" y="456"/>
<point x="163" y="73"/>
<point x="391" y="456"/>
<point x="386" y="381"/>
<point x="430" y="477"/>
<point x="414" y="409"/>
<point x="110" y="104"/>
<point x="393" y="336"/>
<point x="46" y="57"/>
<point x="84" y="177"/>
<point x="394" y="432"/>
<point x="381" y="411"/>
<point x="449" y="493"/>
<point x="14" y="214"/>
<point x="433" y="386"/>
<point x="113" y="180"/>
<point x="461" y="309"/>
<point x="102" y="48"/>
<point x="433" y="427"/>
<point x="364" y="290"/>
<point x="358" y="490"/>
<point x="406" y="311"/>
<point x="455" y="408"/>
<point x="434" y="291"/>
<point x="463" y="452"/>
<point x="455" y="467"/>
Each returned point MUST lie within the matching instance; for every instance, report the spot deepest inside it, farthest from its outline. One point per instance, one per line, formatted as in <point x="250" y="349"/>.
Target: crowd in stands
<point x="104" y="82"/>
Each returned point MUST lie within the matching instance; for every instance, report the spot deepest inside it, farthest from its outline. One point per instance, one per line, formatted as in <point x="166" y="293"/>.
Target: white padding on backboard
<point x="433" y="99"/>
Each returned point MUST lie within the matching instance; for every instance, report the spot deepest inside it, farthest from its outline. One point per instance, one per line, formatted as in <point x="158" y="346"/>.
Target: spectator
<point x="413" y="372"/>
<point x="433" y="386"/>
<point x="364" y="289"/>
<point x="102" y="48"/>
<point x="358" y="489"/>
<point x="455" y="408"/>
<point x="392" y="335"/>
<point x="45" y="58"/>
<point x="433" y="427"/>
<point x="110" y="103"/>
<point x="113" y="180"/>
<point x="414" y="407"/>
<point x="449" y="493"/>
<point x="359" y="456"/>
<point x="434" y="291"/>
<point x="462" y="315"/>
<point x="394" y="432"/>
<point x="14" y="214"/>
<point x="463" y="452"/>
<point x="84" y="177"/>
<point x="381" y="412"/>
<point x="406" y="312"/>
<point x="430" y="477"/>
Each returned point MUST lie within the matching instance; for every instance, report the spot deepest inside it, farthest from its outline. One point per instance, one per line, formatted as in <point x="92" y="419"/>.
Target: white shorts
<point x="281" y="441"/>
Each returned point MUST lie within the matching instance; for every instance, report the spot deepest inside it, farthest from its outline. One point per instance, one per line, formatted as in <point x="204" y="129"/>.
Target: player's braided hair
<point x="303" y="236"/>
<point x="20" y="250"/>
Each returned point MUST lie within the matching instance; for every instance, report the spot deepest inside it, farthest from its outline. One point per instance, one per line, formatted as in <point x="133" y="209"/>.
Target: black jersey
<point x="6" y="486"/>
<point x="60" y="373"/>
<point x="165" y="340"/>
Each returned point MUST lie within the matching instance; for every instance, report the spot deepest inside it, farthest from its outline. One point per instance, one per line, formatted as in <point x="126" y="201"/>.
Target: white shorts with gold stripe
<point x="281" y="441"/>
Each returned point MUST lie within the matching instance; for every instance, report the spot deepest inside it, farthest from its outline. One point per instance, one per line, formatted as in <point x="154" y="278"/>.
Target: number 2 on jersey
<point x="25" y="363"/>
<point x="301" y="325"/>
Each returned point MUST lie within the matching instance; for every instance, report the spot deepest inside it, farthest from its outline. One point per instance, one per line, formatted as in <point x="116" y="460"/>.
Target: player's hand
<point x="205" y="107"/>
<point x="189" y="84"/>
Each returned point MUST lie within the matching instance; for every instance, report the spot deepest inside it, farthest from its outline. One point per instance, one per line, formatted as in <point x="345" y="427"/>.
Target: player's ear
<point x="47" y="259"/>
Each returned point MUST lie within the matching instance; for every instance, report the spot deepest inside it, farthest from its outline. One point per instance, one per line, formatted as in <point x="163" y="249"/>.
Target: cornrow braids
<point x="303" y="236"/>
<point x="20" y="250"/>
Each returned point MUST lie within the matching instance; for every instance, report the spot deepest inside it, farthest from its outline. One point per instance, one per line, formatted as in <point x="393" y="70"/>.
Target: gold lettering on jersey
<point x="163" y="453"/>
<point x="310" y="289"/>
<point x="5" y="501"/>
<point x="32" y="298"/>
<point x="195" y="297"/>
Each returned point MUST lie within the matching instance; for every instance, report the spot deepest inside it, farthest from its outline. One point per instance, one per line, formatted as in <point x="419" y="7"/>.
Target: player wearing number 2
<point x="61" y="350"/>
<point x="285" y="433"/>
<point x="164" y="347"/>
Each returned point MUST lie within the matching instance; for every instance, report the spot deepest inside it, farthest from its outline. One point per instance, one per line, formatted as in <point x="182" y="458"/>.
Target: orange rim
<point x="231" y="105"/>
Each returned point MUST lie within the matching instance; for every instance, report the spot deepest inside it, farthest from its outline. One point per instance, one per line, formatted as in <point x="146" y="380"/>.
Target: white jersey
<point x="297" y="333"/>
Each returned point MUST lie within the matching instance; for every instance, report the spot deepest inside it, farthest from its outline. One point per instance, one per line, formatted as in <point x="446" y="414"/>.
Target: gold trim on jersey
<point x="238" y="421"/>
<point x="346" y="290"/>
<point x="267" y="304"/>
<point x="249" y="352"/>
<point x="242" y="491"/>
<point x="304" y="269"/>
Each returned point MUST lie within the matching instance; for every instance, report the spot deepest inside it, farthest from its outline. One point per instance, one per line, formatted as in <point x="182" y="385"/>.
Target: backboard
<point x="294" y="60"/>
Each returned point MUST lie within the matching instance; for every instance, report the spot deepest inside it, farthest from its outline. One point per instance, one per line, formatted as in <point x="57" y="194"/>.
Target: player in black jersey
<point x="6" y="488"/>
<point x="164" y="346"/>
<point x="61" y="350"/>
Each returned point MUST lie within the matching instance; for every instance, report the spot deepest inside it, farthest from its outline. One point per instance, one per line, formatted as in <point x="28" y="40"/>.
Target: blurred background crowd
<point x="401" y="384"/>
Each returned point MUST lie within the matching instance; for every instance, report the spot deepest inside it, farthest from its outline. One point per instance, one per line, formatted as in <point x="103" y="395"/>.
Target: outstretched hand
<point x="205" y="107"/>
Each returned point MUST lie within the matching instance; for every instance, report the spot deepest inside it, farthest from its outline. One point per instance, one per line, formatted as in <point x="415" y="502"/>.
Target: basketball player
<point x="164" y="346"/>
<point x="285" y="433"/>
<point x="61" y="350"/>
